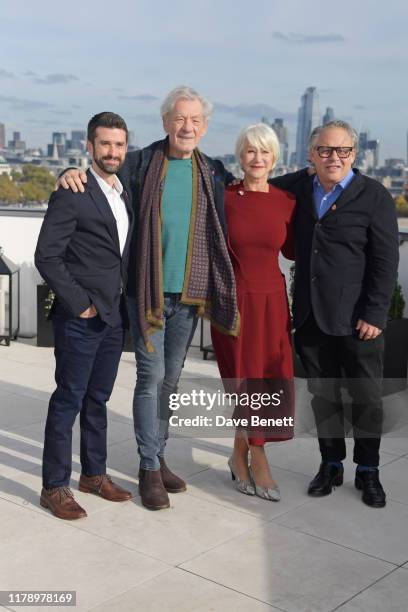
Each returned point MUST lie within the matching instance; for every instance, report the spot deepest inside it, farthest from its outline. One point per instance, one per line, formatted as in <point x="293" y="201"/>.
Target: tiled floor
<point x="214" y="549"/>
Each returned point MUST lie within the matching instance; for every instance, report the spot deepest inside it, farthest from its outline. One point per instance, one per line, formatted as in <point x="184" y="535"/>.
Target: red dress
<point x="259" y="227"/>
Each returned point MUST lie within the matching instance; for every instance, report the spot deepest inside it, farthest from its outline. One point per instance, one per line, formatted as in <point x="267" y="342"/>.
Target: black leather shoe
<point x="327" y="477"/>
<point x="369" y="483"/>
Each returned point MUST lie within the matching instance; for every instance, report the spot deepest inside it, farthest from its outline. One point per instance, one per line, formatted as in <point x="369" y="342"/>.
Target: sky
<point x="60" y="63"/>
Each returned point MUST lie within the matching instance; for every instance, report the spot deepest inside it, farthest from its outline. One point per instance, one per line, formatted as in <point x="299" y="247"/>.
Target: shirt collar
<point x="106" y="188"/>
<point x="342" y="184"/>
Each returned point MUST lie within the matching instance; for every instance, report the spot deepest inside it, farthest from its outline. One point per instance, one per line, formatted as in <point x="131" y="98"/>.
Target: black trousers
<point x="87" y="354"/>
<point x="335" y="362"/>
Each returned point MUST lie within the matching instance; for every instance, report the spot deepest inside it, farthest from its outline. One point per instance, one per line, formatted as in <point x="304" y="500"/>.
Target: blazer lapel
<point x="102" y="205"/>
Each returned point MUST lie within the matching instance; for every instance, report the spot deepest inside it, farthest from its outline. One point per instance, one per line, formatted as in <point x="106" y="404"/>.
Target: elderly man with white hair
<point x="179" y="268"/>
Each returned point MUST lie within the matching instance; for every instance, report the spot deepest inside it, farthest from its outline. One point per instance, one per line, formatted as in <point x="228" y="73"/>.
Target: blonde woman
<point x="259" y="221"/>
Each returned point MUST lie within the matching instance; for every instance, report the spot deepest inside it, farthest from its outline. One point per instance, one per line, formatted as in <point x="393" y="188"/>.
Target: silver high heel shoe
<point x="243" y="486"/>
<point x="266" y="492"/>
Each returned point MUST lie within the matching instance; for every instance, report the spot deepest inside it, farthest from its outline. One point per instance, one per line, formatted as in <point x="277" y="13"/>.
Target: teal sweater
<point x="175" y="215"/>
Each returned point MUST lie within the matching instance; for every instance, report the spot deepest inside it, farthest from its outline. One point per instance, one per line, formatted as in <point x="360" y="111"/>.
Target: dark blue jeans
<point x="158" y="374"/>
<point x="87" y="354"/>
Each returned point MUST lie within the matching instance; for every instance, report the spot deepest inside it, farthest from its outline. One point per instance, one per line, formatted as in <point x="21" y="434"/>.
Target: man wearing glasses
<point x="346" y="268"/>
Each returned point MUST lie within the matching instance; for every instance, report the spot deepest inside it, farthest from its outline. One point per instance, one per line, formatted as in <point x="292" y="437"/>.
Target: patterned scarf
<point x="209" y="279"/>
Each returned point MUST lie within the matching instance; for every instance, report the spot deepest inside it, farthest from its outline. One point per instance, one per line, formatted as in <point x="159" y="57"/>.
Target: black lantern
<point x="9" y="299"/>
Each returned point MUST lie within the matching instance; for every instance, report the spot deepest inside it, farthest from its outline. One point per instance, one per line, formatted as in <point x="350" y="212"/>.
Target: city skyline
<point x="55" y="72"/>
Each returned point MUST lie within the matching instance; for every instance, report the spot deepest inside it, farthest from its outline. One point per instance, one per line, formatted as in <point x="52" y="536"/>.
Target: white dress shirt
<point x="114" y="196"/>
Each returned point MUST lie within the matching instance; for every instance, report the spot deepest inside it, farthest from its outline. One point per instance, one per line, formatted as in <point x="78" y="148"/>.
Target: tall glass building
<point x="308" y="118"/>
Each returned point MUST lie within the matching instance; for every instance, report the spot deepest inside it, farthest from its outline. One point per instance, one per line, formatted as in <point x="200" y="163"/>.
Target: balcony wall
<point x="19" y="229"/>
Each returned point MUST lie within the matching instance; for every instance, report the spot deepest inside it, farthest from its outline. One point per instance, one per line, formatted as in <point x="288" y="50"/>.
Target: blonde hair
<point x="260" y="136"/>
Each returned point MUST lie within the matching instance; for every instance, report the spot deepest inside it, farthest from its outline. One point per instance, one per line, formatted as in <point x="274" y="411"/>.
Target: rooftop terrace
<point x="214" y="549"/>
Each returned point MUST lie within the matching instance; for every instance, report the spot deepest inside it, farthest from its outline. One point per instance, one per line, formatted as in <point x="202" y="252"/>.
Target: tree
<point x="31" y="192"/>
<point x="402" y="206"/>
<point x="40" y="177"/>
<point x="397" y="305"/>
<point x="400" y="201"/>
<point x="9" y="192"/>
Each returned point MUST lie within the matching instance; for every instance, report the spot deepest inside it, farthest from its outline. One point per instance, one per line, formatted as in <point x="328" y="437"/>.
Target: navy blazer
<point x="347" y="261"/>
<point x="78" y="251"/>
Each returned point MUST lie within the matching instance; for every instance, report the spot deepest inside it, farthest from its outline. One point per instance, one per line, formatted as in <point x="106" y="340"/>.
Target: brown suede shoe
<point x="62" y="504"/>
<point x="154" y="495"/>
<point x="171" y="482"/>
<point x="103" y="486"/>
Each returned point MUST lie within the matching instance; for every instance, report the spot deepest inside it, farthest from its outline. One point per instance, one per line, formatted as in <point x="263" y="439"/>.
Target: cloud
<point x="253" y="111"/>
<point x="225" y="128"/>
<point x="360" y="107"/>
<point x="145" y="118"/>
<point x="44" y="122"/>
<point x="75" y="106"/>
<point x="140" y="98"/>
<point x="307" y="39"/>
<point x="5" y="74"/>
<point x="56" y="79"/>
<point x="29" y="73"/>
<point x="22" y="104"/>
<point x="61" y="112"/>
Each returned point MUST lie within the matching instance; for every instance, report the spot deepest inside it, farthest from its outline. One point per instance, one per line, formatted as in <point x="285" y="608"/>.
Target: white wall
<point x="18" y="238"/>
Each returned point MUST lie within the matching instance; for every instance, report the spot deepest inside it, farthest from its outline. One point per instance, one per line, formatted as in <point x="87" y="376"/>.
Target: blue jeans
<point x="158" y="374"/>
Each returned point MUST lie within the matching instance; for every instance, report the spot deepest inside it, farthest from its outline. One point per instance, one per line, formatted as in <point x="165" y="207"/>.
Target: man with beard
<point x="82" y="253"/>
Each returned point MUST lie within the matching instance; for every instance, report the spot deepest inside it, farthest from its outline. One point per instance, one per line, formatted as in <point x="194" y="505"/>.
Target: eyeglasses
<point x="342" y="152"/>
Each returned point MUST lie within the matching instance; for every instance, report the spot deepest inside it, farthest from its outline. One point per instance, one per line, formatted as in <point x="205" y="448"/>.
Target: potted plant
<point x="396" y="345"/>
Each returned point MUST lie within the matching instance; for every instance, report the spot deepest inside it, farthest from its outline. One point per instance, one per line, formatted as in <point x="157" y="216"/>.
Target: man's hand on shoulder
<point x="73" y="179"/>
<point x="367" y="331"/>
<point x="89" y="313"/>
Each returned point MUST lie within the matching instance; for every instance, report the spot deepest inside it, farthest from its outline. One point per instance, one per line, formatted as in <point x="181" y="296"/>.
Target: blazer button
<point x="314" y="278"/>
<point x="316" y="251"/>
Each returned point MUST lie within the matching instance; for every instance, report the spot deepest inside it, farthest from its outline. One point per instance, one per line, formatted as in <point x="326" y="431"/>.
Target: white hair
<point x="259" y="136"/>
<point x="184" y="93"/>
<point x="337" y="123"/>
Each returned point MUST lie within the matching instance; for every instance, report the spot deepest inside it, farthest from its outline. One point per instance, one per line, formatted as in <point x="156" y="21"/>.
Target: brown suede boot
<point x="171" y="482"/>
<point x="62" y="504"/>
<point x="103" y="486"/>
<point x="154" y="495"/>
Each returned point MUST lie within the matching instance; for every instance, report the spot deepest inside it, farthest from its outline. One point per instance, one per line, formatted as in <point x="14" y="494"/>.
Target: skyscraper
<point x="282" y="133"/>
<point x="368" y="152"/>
<point x="308" y="118"/>
<point x="59" y="141"/>
<point x="78" y="140"/>
<point x="17" y="144"/>
<point x="2" y="136"/>
<point x="328" y="115"/>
